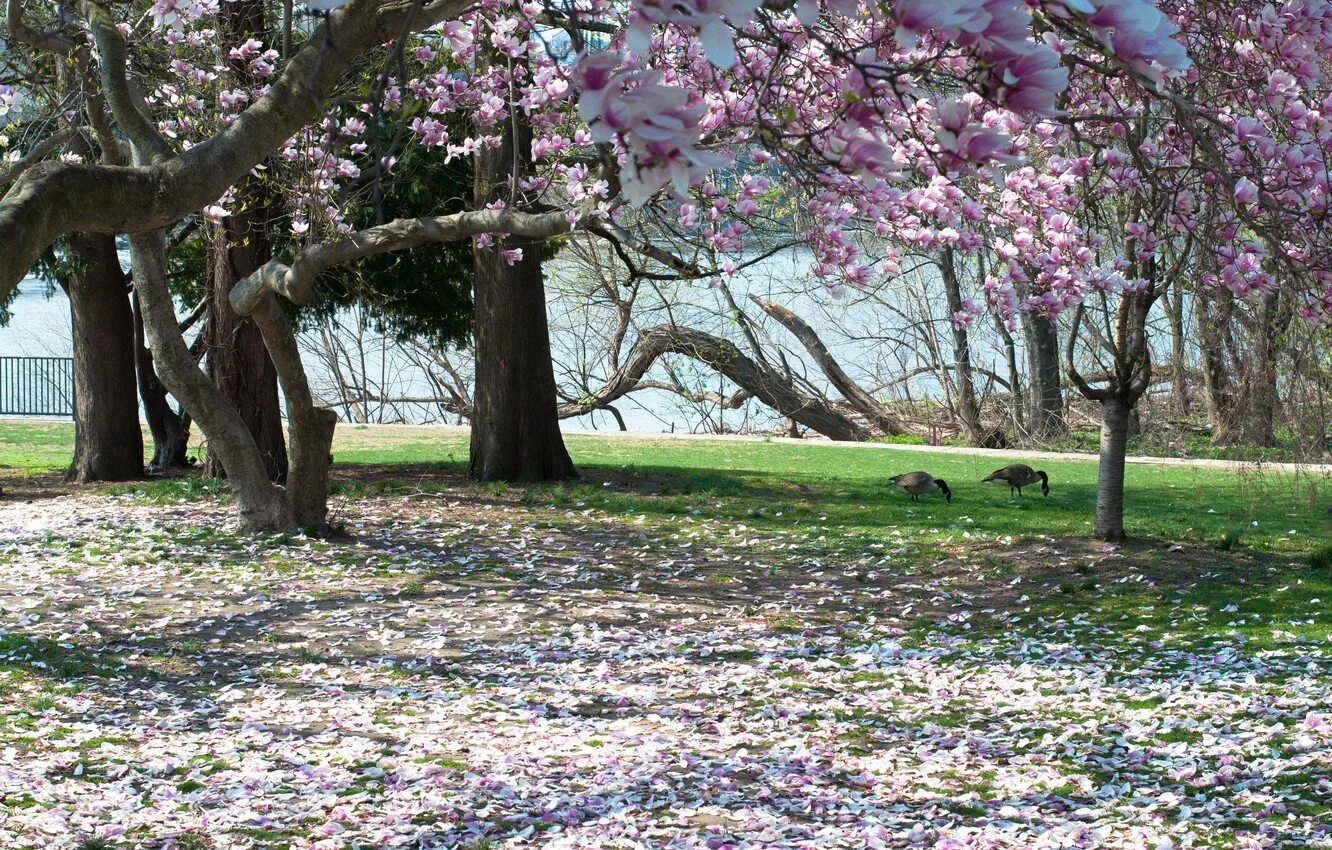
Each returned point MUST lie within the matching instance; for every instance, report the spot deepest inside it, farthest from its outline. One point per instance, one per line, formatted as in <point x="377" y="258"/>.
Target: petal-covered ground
<point x="471" y="669"/>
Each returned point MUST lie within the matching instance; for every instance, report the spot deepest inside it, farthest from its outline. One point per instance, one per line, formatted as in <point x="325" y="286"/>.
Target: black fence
<point x="36" y="386"/>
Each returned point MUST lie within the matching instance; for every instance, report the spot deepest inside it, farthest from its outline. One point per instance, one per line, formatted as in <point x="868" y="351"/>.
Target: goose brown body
<point x="917" y="484"/>
<point x="1020" y="475"/>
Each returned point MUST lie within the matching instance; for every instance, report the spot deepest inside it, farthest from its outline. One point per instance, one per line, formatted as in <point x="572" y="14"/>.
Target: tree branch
<point x="855" y="395"/>
<point x="55" y="198"/>
<point x="722" y="355"/>
<point x="296" y="281"/>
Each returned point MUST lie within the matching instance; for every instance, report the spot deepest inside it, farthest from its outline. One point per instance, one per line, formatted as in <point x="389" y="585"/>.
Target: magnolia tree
<point x="871" y="115"/>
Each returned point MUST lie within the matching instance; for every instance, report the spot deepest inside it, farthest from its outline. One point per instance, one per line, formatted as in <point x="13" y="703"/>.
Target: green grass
<point x="777" y="486"/>
<point x="30" y="448"/>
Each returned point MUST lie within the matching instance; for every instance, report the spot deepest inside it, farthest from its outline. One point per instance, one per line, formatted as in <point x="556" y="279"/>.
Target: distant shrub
<point x="903" y="440"/>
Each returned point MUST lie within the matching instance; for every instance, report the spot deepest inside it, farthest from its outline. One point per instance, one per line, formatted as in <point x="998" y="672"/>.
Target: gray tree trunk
<point x="1217" y="382"/>
<point x="1179" y="352"/>
<point x="170" y="430"/>
<point x="764" y="383"/>
<point x="1016" y="406"/>
<point x="856" y="397"/>
<point x="1115" y="414"/>
<point x="1262" y="400"/>
<point x="1045" y="419"/>
<point x="263" y="505"/>
<point x="968" y="410"/>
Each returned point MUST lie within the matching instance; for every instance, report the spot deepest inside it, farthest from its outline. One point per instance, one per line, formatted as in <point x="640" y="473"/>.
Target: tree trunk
<point x="1015" y="405"/>
<point x="864" y="403"/>
<point x="311" y="427"/>
<point x="237" y="360"/>
<point x="1178" y="352"/>
<point x="968" y="410"/>
<point x="1115" y="413"/>
<point x="170" y="430"/>
<point x="108" y="443"/>
<point x="1261" y="402"/>
<point x="1216" y="377"/>
<point x="263" y="506"/>
<point x="515" y="426"/>
<point x="764" y="383"/>
<point x="1046" y="415"/>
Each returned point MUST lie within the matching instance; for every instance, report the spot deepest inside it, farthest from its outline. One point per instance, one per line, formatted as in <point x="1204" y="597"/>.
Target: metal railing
<point x="37" y="386"/>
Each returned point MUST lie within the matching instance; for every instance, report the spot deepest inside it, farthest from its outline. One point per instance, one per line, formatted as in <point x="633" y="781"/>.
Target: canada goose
<point x="917" y="483"/>
<point x="1020" y="475"/>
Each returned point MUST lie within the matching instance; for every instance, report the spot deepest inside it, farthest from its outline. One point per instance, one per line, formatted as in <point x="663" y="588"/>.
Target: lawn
<point x="700" y="645"/>
<point x="777" y="485"/>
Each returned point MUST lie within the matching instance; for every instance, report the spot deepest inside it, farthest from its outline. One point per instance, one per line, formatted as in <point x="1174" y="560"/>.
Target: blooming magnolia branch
<point x="56" y="198"/>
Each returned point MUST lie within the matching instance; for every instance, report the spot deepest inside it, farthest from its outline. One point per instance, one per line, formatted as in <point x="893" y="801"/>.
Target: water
<point x="40" y="327"/>
<point x="871" y="335"/>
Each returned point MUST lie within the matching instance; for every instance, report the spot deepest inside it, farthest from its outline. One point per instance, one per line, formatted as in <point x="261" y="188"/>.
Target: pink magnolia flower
<point x="709" y="17"/>
<point x="1246" y="192"/>
<point x="654" y="121"/>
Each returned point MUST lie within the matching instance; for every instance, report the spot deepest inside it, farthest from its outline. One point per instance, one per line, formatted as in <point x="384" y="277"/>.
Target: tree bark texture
<point x="237" y="247"/>
<point x="515" y="424"/>
<point x="1045" y="420"/>
<point x="237" y="361"/>
<point x="263" y="505"/>
<point x="1110" y="478"/>
<point x="170" y="430"/>
<point x="108" y="442"/>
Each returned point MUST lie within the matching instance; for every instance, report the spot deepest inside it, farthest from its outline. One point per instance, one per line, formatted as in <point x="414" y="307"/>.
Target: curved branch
<point x="855" y="395"/>
<point x="129" y="111"/>
<point x="1070" y="366"/>
<point x="296" y="281"/>
<point x="54" y="198"/>
<point x="21" y="33"/>
<point x="38" y="153"/>
<point x="723" y="356"/>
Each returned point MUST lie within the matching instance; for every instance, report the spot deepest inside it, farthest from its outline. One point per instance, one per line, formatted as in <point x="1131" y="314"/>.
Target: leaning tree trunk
<point x="263" y="505"/>
<point x="856" y="396"/>
<point x="1115" y="414"/>
<point x="170" y="430"/>
<point x="515" y="424"/>
<point x="760" y="380"/>
<point x="237" y="360"/>
<point x="108" y="443"/>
